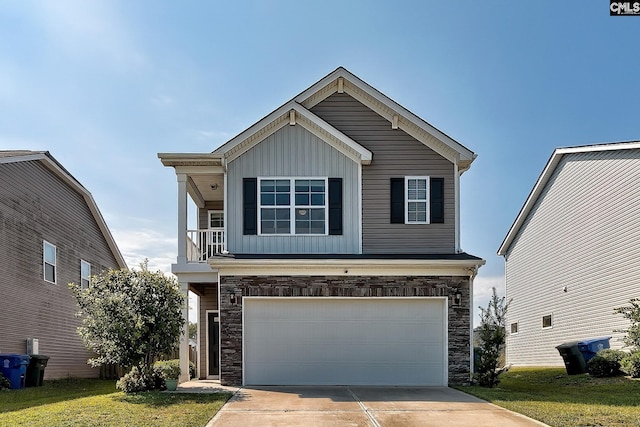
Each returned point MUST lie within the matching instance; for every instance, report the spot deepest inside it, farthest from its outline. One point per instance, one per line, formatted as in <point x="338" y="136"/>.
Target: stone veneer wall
<point x="459" y="318"/>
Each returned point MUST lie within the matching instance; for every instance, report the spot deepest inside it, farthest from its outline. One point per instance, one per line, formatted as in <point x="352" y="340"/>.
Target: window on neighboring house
<point x="546" y="321"/>
<point x="417" y="200"/>
<point x="49" y="261"/>
<point x="293" y="206"/>
<point x="514" y="328"/>
<point x="85" y="274"/>
<point x="216" y="219"/>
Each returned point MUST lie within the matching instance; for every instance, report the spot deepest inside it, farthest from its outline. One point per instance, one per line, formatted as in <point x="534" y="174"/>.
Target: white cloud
<point x="137" y="245"/>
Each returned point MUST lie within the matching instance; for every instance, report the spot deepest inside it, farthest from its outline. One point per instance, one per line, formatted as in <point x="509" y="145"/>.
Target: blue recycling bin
<point x="590" y="347"/>
<point x="14" y="368"/>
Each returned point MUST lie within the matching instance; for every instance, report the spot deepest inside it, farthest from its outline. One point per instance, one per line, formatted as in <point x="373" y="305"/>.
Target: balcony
<point x="203" y="244"/>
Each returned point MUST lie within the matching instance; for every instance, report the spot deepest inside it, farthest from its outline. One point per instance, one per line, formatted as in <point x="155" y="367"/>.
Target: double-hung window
<point x="294" y="206"/>
<point x="49" y="261"/>
<point x="417" y="199"/>
<point x="85" y="274"/>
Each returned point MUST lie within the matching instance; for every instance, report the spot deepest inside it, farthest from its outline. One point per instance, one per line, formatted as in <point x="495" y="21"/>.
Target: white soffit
<point x="544" y="177"/>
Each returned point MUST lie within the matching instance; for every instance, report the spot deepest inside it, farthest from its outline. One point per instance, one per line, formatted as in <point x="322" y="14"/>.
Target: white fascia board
<point x="544" y="177"/>
<point x="281" y="118"/>
<point x="344" y="267"/>
<point x="466" y="155"/>
<point x="22" y="158"/>
<point x="190" y="159"/>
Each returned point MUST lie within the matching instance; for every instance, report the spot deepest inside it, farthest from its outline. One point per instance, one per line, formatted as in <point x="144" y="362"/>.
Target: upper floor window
<point x="514" y="328"/>
<point x="417" y="200"/>
<point x="546" y="321"/>
<point x="293" y="206"/>
<point x="85" y="274"/>
<point x="216" y="219"/>
<point x="49" y="261"/>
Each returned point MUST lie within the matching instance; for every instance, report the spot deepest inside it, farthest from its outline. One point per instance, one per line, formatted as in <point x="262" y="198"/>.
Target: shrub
<point x="631" y="364"/>
<point x="138" y="380"/>
<point x="606" y="363"/>
<point x="4" y="382"/>
<point x="168" y="369"/>
<point x="491" y="336"/>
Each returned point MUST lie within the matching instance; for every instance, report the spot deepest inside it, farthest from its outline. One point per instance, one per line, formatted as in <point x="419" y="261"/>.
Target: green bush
<point x="138" y="380"/>
<point x="4" y="382"/>
<point x="631" y="364"/>
<point x="606" y="363"/>
<point x="168" y="369"/>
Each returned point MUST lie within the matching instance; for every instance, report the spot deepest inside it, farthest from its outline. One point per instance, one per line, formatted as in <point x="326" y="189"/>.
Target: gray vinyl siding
<point x="35" y="205"/>
<point x="582" y="233"/>
<point x="293" y="152"/>
<point x="395" y="155"/>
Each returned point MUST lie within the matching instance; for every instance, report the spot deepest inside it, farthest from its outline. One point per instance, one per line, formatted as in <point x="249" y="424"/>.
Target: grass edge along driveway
<point x="80" y="402"/>
<point x="557" y="399"/>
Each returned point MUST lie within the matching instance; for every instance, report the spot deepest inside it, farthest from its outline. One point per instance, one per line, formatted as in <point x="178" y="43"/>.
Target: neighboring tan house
<point x="51" y="234"/>
<point x="327" y="248"/>
<point x="572" y="254"/>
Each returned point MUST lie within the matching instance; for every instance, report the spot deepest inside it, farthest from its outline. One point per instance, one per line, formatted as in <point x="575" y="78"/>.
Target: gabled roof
<point x="14" y="156"/>
<point x="340" y="80"/>
<point x="544" y="177"/>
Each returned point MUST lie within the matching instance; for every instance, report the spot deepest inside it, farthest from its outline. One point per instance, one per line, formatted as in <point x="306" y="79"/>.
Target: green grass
<point x="77" y="402"/>
<point x="555" y="398"/>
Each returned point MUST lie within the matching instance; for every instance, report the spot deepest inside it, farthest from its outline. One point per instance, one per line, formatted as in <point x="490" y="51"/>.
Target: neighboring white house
<point x="573" y="253"/>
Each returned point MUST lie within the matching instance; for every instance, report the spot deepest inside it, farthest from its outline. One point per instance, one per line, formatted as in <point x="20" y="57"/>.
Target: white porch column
<point x="184" y="339"/>
<point x="182" y="218"/>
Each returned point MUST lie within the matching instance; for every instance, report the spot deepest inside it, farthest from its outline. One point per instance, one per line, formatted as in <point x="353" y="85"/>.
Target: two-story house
<point x="51" y="234"/>
<point x="327" y="248"/>
<point x="571" y="255"/>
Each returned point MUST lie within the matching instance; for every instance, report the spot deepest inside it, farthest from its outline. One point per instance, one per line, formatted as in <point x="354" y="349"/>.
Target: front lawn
<point x="77" y="402"/>
<point x="555" y="398"/>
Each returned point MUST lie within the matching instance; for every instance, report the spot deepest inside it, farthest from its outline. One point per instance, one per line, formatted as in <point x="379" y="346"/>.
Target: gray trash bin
<point x="573" y="360"/>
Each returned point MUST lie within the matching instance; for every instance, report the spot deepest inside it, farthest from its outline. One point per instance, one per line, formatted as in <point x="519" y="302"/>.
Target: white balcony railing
<point x="203" y="244"/>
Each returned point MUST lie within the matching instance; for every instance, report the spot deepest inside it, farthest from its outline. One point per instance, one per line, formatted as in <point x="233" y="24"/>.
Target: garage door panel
<point x="344" y="341"/>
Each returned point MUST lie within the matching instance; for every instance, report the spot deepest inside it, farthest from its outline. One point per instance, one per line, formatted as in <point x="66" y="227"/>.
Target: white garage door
<point x="345" y="341"/>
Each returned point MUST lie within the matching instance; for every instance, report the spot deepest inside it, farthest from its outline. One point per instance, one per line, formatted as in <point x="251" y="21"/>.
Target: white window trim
<point x="44" y="262"/>
<point x="551" y="317"/>
<point x="292" y="205"/>
<point x="406" y="199"/>
<point x="82" y="277"/>
<point x="220" y="211"/>
<point x="517" y="328"/>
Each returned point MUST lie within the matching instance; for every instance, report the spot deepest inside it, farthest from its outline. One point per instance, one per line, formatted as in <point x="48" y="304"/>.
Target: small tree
<point x="491" y="336"/>
<point x="632" y="334"/>
<point x="193" y="330"/>
<point x="129" y="317"/>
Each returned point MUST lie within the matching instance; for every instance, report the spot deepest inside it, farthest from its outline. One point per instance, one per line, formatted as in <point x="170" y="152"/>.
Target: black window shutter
<point x="335" y="206"/>
<point x="397" y="200"/>
<point x="436" y="200"/>
<point x="249" y="206"/>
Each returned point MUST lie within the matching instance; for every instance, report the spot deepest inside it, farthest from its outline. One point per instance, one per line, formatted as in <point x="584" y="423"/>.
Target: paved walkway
<point x="362" y="406"/>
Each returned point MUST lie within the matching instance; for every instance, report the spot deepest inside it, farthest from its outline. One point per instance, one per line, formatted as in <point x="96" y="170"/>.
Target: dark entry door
<point x="213" y="343"/>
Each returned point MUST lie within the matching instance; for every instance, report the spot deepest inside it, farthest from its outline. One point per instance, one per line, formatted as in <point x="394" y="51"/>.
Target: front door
<point x="213" y="344"/>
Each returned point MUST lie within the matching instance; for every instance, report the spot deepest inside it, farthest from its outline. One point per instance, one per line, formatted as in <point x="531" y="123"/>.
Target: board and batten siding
<point x="583" y="234"/>
<point x="293" y="152"/>
<point x="395" y="154"/>
<point x="35" y="205"/>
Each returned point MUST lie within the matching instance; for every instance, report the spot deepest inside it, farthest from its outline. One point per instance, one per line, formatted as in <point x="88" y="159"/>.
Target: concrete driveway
<point x="362" y="406"/>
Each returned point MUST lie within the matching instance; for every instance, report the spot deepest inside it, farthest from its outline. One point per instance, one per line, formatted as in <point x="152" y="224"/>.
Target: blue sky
<point x="105" y="85"/>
